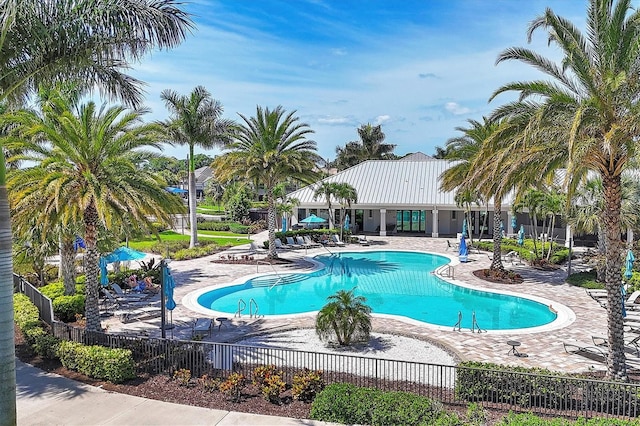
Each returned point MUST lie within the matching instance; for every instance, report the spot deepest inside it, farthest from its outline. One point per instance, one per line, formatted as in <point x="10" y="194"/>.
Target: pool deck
<point x="543" y="348"/>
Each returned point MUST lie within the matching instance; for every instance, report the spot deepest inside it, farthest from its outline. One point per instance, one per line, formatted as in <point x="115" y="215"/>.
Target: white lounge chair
<point x="255" y="249"/>
<point x="310" y="243"/>
<point x="139" y="314"/>
<point x="280" y="245"/>
<point x="336" y="240"/>
<point x="293" y="244"/>
<point x="362" y="240"/>
<point x="302" y="243"/>
<point x="202" y="325"/>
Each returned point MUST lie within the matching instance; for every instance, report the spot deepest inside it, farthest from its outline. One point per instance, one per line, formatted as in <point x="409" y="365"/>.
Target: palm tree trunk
<point x="91" y="309"/>
<point x="496" y="263"/>
<point x="616" y="362"/>
<point x="600" y="258"/>
<point x="271" y="219"/>
<point x="67" y="265"/>
<point x="8" y="414"/>
<point x="193" y="218"/>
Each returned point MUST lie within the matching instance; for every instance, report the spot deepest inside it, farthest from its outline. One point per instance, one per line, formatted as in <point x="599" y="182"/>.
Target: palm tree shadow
<point x="372" y="346"/>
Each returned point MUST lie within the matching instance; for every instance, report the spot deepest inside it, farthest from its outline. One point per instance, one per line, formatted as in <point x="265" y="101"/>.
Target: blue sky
<point x="418" y="68"/>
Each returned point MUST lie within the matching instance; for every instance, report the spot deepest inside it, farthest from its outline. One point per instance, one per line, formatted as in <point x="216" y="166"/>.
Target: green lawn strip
<point x="222" y="233"/>
<point x="145" y="244"/>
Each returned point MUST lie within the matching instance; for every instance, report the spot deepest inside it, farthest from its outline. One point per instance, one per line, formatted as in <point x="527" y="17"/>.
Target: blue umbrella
<point x="463" y="251"/>
<point x="514" y="223"/>
<point x="464" y="227"/>
<point x="628" y="272"/>
<point x="313" y="219"/>
<point x="78" y="243"/>
<point x="176" y="190"/>
<point x="346" y="222"/>
<point x="104" y="279"/>
<point x="169" y="285"/>
<point x="501" y="228"/>
<point x="284" y="224"/>
<point x="124" y="254"/>
<point x="521" y="236"/>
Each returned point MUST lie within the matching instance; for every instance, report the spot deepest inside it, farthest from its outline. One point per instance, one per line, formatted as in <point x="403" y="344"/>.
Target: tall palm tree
<point x="346" y="317"/>
<point x="346" y="195"/>
<point x="590" y="110"/>
<point x="90" y="43"/>
<point x="195" y="121"/>
<point x="83" y="171"/>
<point x="327" y="190"/>
<point x="270" y="148"/>
<point x="369" y="147"/>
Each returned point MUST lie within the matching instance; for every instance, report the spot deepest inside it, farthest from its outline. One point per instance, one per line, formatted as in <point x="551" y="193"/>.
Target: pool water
<point x="393" y="282"/>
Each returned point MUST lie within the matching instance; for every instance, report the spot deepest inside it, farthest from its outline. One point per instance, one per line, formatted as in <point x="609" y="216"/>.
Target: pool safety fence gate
<point x="456" y="385"/>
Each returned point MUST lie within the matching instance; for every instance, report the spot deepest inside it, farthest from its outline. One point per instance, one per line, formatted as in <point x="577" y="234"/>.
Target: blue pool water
<point x="393" y="282"/>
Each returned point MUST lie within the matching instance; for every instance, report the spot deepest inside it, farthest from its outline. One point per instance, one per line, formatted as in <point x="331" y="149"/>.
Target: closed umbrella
<point x="284" y="224"/>
<point x="521" y="236"/>
<point x="169" y="285"/>
<point x="346" y="222"/>
<point x="78" y="243"/>
<point x="501" y="228"/>
<point x="628" y="272"/>
<point x="104" y="279"/>
<point x="464" y="228"/>
<point x="463" y="251"/>
<point x="514" y="224"/>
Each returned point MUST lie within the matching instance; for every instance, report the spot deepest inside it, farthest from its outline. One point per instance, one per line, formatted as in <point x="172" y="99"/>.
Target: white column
<point x="383" y="222"/>
<point x="630" y="237"/>
<point x="434" y="233"/>
<point x="567" y="236"/>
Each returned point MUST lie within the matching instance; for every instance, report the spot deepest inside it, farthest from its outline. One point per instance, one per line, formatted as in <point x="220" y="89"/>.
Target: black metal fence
<point x="42" y="302"/>
<point x="554" y="395"/>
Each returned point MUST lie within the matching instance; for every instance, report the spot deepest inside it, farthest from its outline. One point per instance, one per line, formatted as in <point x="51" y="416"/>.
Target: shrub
<point x="306" y="385"/>
<point x="114" y="365"/>
<point x="56" y="289"/>
<point x="234" y="386"/>
<point x="193" y="253"/>
<point x="209" y="384"/>
<point x="344" y="403"/>
<point x="404" y="408"/>
<point x="25" y="313"/>
<point x="67" y="307"/>
<point x="272" y="387"/>
<point x="182" y="376"/>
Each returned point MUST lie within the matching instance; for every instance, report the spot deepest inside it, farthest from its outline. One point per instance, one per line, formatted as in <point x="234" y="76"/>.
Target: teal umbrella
<point x="169" y="285"/>
<point x="628" y="272"/>
<point x="347" y="223"/>
<point x="104" y="279"/>
<point x="124" y="254"/>
<point x="521" y="236"/>
<point x="464" y="227"/>
<point x="313" y="219"/>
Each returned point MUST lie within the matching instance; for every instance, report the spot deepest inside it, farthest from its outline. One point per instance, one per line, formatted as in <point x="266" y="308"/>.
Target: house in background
<point x="404" y="197"/>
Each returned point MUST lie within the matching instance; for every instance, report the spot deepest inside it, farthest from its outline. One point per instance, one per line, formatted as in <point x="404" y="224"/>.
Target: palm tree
<point x="285" y="204"/>
<point x="327" y="190"/>
<point x="195" y="121"/>
<point x="588" y="110"/>
<point x="90" y="43"/>
<point x="346" y="195"/>
<point x="83" y="172"/>
<point x="346" y="317"/>
<point x="270" y="148"/>
<point x="369" y="147"/>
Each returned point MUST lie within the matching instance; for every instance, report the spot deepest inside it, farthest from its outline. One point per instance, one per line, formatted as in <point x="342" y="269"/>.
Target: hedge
<point x="114" y="365"/>
<point x="26" y="317"/>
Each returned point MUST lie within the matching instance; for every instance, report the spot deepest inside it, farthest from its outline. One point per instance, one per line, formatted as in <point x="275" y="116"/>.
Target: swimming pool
<point x="393" y="282"/>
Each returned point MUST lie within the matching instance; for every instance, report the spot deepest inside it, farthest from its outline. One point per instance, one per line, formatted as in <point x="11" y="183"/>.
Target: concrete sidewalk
<point x="49" y="399"/>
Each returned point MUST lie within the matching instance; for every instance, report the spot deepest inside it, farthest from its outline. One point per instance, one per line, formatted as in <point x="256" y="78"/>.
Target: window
<point x="370" y="214"/>
<point x="453" y="215"/>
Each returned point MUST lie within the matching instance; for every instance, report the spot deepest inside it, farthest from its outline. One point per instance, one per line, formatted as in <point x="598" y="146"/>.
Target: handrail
<point x="278" y="281"/>
<point x="253" y="303"/>
<point x="241" y="307"/>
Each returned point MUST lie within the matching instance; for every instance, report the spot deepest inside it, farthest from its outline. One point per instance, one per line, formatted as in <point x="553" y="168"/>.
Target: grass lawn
<point x="209" y="209"/>
<point x="221" y="234"/>
<point x="145" y="244"/>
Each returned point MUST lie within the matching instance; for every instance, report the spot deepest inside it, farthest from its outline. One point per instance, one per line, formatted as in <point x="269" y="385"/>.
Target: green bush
<point x="196" y="252"/>
<point x="67" y="307"/>
<point x="27" y="319"/>
<point x="25" y="313"/>
<point x="215" y="226"/>
<point x="529" y="419"/>
<point x="114" y="365"/>
<point x="56" y="289"/>
<point x="348" y="404"/>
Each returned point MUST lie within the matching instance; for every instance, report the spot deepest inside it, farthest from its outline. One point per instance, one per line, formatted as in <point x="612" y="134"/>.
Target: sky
<point x="419" y="68"/>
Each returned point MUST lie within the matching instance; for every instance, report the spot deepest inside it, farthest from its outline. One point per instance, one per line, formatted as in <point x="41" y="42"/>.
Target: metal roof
<point x="389" y="184"/>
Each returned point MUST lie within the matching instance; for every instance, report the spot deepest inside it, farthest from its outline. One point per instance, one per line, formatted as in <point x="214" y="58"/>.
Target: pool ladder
<point x="253" y="308"/>
<point x="474" y="323"/>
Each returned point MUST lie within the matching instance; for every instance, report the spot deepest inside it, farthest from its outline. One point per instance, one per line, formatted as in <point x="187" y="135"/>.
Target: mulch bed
<point x="497" y="277"/>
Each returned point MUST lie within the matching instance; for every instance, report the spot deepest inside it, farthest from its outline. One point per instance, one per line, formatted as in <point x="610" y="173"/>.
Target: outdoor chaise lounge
<point x="293" y="244"/>
<point x="589" y="350"/>
<point x="362" y="240"/>
<point x="302" y="243"/>
<point x="453" y="246"/>
<point x="600" y="296"/>
<point x="631" y="341"/>
<point x="280" y="245"/>
<point x="336" y="240"/>
<point x="255" y="249"/>
<point x="202" y="325"/>
<point x="139" y="314"/>
<point x="310" y="242"/>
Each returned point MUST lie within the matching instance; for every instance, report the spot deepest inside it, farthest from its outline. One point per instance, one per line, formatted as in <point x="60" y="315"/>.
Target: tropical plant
<point x="285" y="204"/>
<point x="369" y="147"/>
<point x="84" y="173"/>
<point x="327" y="190"/>
<point x="584" y="118"/>
<point x="195" y="121"/>
<point x="270" y="148"/>
<point x="346" y="317"/>
<point x="346" y="195"/>
<point x="90" y="43"/>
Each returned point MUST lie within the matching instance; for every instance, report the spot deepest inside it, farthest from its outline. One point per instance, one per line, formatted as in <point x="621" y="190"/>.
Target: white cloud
<point x="382" y="119"/>
<point x="455" y="109"/>
<point x="341" y="51"/>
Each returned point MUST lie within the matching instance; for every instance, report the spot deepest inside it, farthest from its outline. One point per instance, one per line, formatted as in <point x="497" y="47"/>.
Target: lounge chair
<point x="202" y="325"/>
<point x="302" y="243"/>
<point x="310" y="242"/>
<point x="453" y="246"/>
<point x="255" y="249"/>
<point x="589" y="350"/>
<point x="631" y="340"/>
<point x="127" y="296"/>
<point x="139" y="314"/>
<point x="121" y="301"/>
<point x="280" y="245"/>
<point x="336" y="240"/>
<point x="362" y="240"/>
<point x="293" y="244"/>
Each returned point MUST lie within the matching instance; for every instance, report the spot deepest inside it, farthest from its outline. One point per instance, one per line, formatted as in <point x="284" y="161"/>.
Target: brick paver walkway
<point x="544" y="348"/>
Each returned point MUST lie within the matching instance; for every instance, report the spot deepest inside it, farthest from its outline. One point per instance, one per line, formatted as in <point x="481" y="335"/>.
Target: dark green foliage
<point x="585" y="279"/>
<point x="27" y="319"/>
<point x="56" y="289"/>
<point x="234" y="227"/>
<point x="513" y="419"/>
<point x="349" y="404"/>
<point x="25" y="313"/>
<point x="115" y="365"/>
<point x="559" y="255"/>
<point x="66" y="308"/>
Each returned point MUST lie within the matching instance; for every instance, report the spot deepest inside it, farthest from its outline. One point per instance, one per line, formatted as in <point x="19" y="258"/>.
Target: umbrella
<point x="346" y="222"/>
<point x="521" y="236"/>
<point x="628" y="272"/>
<point x="514" y="223"/>
<point x="501" y="228"/>
<point x="313" y="219"/>
<point x="463" y="251"/>
<point x="284" y="224"/>
<point x="124" y="254"/>
<point x="464" y="228"/>
<point x="104" y="279"/>
<point x="176" y="190"/>
<point x="169" y="285"/>
<point x="78" y="243"/>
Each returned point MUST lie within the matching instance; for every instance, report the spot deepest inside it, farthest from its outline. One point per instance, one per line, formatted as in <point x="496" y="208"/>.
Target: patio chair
<point x="588" y="350"/>
<point x="121" y="301"/>
<point x="336" y="240"/>
<point x="202" y="325"/>
<point x="310" y="242"/>
<point x="293" y="244"/>
<point x="139" y="314"/>
<point x="362" y="240"/>
<point x="280" y="245"/>
<point x="302" y="243"/>
<point x="130" y="296"/>
<point x="631" y="341"/>
<point x="453" y="246"/>
<point x="255" y="249"/>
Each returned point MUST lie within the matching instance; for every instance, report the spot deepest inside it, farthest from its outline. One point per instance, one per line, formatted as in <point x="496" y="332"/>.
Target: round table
<point x="221" y="321"/>
<point x="514" y="345"/>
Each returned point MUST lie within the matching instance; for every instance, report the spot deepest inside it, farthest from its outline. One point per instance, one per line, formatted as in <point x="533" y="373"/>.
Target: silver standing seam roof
<point x="403" y="183"/>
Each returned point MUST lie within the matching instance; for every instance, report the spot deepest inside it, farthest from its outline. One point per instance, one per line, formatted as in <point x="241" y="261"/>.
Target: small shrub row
<point x="26" y="317"/>
<point x="348" y="404"/>
<point x="114" y="365"/>
<point x="196" y="252"/>
<point x="513" y="419"/>
<point x="65" y="308"/>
